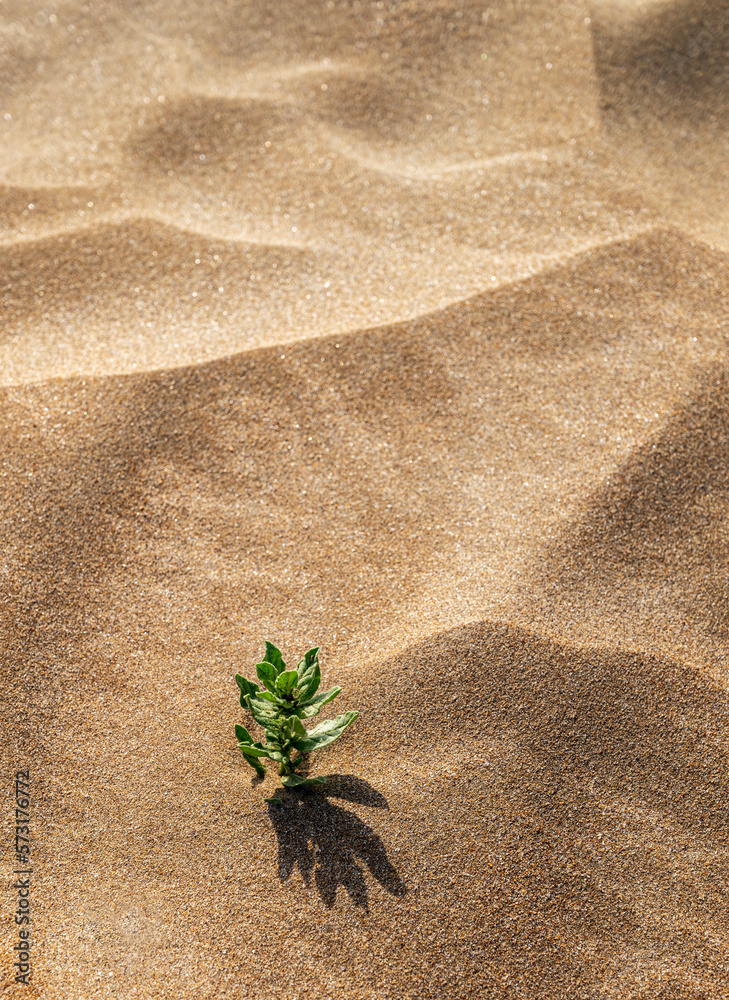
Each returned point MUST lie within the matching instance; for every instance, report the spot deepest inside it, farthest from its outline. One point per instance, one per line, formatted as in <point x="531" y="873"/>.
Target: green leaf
<point x="256" y="765"/>
<point x="274" y="800"/>
<point x="267" y="675"/>
<point x="320" y="699"/>
<point x="267" y="696"/>
<point x="309" y="659"/>
<point x="343" y="720"/>
<point x="325" y="733"/>
<point x="258" y="750"/>
<point x="253" y="750"/>
<point x="309" y="673"/>
<point x="273" y="656"/>
<point x="276" y="729"/>
<point x="276" y="735"/>
<point x="298" y="729"/>
<point x="296" y="781"/>
<point x="242" y="734"/>
<point x="286" y="682"/>
<point x="252" y="759"/>
<point x="262" y="711"/>
<point x="306" y="713"/>
<point x="246" y="687"/>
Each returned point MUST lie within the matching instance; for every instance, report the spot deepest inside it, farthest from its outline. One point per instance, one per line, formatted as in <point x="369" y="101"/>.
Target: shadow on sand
<point x="327" y="841"/>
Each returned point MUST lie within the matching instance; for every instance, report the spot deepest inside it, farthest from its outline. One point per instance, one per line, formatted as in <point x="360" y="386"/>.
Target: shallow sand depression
<point x="397" y="328"/>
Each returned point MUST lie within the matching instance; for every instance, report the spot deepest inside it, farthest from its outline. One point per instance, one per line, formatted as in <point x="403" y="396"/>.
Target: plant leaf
<point x="309" y="659"/>
<point x="286" y="682"/>
<point x="279" y="720"/>
<point x="276" y="738"/>
<point x="262" y="711"/>
<point x="325" y="733"/>
<point x="320" y="699"/>
<point x="267" y="675"/>
<point x="258" y="750"/>
<point x="273" y="656"/>
<point x="242" y="734"/>
<point x="256" y="765"/>
<point x="309" y="673"/>
<point x="298" y="729"/>
<point x="345" y="719"/>
<point x="251" y="750"/>
<point x="267" y="696"/>
<point x="306" y="713"/>
<point x="296" y="781"/>
<point x="246" y="687"/>
<point x="252" y="759"/>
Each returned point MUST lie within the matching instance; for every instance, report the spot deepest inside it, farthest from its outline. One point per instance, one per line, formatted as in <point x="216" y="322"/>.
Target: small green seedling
<point x="287" y="697"/>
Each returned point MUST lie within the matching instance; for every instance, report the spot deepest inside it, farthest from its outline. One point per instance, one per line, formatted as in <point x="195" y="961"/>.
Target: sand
<point x="397" y="328"/>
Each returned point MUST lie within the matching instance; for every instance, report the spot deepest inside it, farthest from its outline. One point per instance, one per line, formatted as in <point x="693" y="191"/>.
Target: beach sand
<point x="397" y="328"/>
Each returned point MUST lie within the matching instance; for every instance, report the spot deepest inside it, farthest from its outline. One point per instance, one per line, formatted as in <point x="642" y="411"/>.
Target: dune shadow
<point x="671" y="59"/>
<point x="199" y="132"/>
<point x="329" y="844"/>
<point x="629" y="720"/>
<point x="658" y="525"/>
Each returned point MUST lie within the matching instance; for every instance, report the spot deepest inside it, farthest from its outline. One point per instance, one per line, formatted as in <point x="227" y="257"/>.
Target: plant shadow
<point x="327" y="841"/>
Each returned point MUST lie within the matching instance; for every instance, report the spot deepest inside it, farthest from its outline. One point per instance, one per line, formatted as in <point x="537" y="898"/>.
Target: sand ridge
<point x="398" y="328"/>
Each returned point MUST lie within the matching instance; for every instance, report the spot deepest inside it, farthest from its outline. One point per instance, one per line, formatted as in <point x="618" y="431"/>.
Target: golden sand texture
<point x="397" y="328"/>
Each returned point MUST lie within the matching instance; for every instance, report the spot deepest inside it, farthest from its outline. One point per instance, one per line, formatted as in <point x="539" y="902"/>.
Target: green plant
<point x="287" y="697"/>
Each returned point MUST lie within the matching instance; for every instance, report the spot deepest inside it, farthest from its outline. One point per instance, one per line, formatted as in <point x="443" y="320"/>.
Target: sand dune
<point x="398" y="328"/>
<point x="140" y="293"/>
<point x="654" y="534"/>
<point x="364" y="492"/>
<point x="215" y="132"/>
<point x="339" y="137"/>
<point x="94" y="293"/>
<point x="673" y="60"/>
<point x="664" y="72"/>
<point x="27" y="211"/>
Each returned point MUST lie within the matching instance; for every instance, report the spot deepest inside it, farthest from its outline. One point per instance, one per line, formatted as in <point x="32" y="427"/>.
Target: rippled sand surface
<point x="398" y="328"/>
